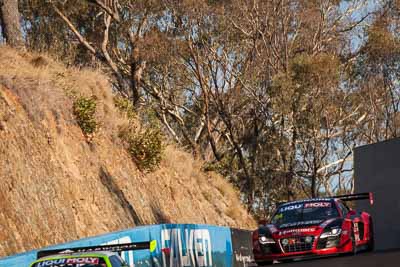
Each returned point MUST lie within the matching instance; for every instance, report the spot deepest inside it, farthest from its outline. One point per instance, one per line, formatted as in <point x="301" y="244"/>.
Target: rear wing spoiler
<point x="151" y="245"/>
<point x="360" y="196"/>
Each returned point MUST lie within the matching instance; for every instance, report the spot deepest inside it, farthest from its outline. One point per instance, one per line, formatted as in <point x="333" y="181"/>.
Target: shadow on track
<point x="364" y="259"/>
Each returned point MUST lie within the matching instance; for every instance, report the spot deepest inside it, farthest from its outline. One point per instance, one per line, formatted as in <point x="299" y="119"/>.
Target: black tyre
<point x="371" y="243"/>
<point x="353" y="243"/>
<point x="286" y="260"/>
<point x="264" y="263"/>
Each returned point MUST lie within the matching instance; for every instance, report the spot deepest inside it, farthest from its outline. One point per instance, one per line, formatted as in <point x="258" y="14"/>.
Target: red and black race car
<point x="313" y="227"/>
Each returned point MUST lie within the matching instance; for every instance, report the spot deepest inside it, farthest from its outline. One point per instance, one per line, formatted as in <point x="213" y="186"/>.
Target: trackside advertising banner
<point x="241" y="247"/>
<point x="178" y="245"/>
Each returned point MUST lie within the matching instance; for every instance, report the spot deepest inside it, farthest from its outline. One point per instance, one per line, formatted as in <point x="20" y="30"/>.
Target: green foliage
<point x="125" y="106"/>
<point x="149" y="118"/>
<point x="226" y="165"/>
<point x="48" y="33"/>
<point x="145" y="147"/>
<point x="84" y="110"/>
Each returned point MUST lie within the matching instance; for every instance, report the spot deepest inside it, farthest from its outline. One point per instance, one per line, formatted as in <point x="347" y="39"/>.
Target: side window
<point x="343" y="209"/>
<point x="115" y="261"/>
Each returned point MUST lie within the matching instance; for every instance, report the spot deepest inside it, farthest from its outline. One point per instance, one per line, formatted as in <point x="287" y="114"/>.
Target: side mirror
<point x="352" y="212"/>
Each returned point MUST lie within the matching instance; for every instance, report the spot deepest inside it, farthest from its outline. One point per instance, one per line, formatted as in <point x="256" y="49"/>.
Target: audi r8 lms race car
<point x="95" y="256"/>
<point x="313" y="227"/>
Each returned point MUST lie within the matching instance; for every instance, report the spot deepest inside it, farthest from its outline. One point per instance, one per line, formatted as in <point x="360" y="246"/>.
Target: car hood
<point x="311" y="226"/>
<point x="299" y="224"/>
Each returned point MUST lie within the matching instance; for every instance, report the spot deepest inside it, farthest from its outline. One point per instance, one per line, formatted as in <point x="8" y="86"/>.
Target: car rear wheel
<point x="353" y="243"/>
<point x="371" y="243"/>
<point x="264" y="263"/>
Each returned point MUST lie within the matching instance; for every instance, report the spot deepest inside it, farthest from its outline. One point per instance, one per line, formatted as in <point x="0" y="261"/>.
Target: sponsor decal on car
<point x="298" y="230"/>
<point x="291" y="207"/>
<point x="318" y="205"/>
<point x="301" y="223"/>
<point x="58" y="262"/>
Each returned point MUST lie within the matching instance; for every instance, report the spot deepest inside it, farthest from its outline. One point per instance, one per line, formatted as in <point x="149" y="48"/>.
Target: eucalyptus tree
<point x="10" y="23"/>
<point x="267" y="93"/>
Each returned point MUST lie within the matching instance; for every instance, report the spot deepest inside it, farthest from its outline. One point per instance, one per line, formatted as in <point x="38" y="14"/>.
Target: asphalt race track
<point x="371" y="259"/>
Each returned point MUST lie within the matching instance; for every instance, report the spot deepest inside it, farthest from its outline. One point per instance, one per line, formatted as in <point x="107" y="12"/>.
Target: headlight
<point x="266" y="240"/>
<point x="336" y="231"/>
<point x="332" y="232"/>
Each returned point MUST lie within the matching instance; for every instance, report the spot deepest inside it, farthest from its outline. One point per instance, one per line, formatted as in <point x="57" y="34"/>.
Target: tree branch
<point x="106" y="7"/>
<point x="81" y="39"/>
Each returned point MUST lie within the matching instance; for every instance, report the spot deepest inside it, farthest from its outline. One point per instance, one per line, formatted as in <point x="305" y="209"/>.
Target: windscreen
<point x="306" y="213"/>
<point x="72" y="262"/>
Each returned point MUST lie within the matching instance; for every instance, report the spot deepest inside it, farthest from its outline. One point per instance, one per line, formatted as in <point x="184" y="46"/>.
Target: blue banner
<point x="178" y="245"/>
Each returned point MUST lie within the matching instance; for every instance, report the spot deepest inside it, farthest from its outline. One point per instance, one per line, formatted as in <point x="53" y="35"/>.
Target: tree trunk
<point x="1" y="22"/>
<point x="313" y="186"/>
<point x="11" y="23"/>
<point x="137" y="67"/>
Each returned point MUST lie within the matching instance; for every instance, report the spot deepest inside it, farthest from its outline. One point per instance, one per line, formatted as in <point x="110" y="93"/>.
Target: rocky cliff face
<point x="56" y="187"/>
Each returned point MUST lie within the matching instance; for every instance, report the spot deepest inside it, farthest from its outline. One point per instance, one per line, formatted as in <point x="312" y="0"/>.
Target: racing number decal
<point x="356" y="232"/>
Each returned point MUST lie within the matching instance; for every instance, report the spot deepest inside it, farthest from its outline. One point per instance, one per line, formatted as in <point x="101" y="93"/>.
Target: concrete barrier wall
<point x="177" y="245"/>
<point x="377" y="169"/>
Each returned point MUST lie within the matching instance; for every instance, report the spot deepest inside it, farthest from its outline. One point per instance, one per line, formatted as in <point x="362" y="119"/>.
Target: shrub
<point x="84" y="110"/>
<point x="145" y="147"/>
<point x="125" y="106"/>
<point x="142" y="136"/>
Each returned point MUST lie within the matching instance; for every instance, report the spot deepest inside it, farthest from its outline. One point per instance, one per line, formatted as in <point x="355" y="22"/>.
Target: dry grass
<point x="44" y="84"/>
<point x="208" y="196"/>
<point x="57" y="187"/>
<point x="234" y="212"/>
<point x="225" y="188"/>
<point x="219" y="195"/>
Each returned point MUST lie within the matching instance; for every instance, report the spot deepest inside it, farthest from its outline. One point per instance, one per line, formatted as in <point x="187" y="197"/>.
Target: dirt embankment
<point x="55" y="186"/>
